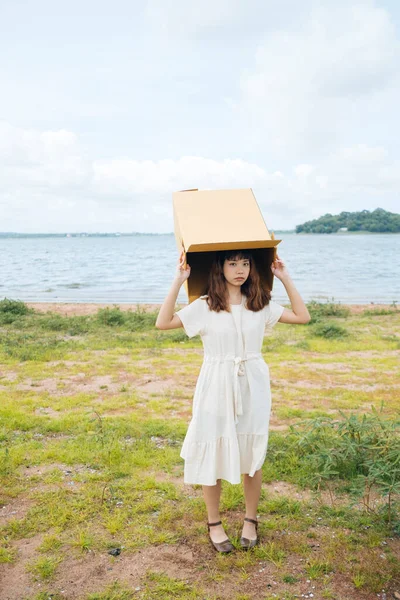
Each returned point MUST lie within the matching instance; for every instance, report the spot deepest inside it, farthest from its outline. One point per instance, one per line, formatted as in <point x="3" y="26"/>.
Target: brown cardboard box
<point x="210" y="220"/>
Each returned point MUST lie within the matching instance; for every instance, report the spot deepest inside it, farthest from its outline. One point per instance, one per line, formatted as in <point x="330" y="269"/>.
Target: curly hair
<point x="256" y="295"/>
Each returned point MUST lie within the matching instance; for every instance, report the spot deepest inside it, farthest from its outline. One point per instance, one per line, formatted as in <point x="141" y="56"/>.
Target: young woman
<point x="228" y="433"/>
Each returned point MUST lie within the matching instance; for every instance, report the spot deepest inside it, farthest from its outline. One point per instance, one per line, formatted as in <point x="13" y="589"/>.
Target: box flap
<point x="205" y="218"/>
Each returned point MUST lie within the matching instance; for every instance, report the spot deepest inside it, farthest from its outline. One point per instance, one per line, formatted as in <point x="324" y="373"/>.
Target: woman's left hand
<point x="279" y="269"/>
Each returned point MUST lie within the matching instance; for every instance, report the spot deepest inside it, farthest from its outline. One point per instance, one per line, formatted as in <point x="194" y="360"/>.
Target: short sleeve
<point x="273" y="312"/>
<point x="193" y="317"/>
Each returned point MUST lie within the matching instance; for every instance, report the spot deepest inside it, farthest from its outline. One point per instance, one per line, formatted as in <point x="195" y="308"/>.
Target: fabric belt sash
<point x="237" y="372"/>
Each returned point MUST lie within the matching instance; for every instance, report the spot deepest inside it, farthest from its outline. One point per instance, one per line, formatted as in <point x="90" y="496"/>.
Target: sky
<point x="107" y="108"/>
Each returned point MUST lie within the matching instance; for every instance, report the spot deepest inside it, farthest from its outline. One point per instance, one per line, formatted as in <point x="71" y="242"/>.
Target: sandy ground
<point x="84" y="308"/>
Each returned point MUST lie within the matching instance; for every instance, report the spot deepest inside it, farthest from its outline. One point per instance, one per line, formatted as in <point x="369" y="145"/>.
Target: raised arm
<point x="166" y="318"/>
<point x="299" y="313"/>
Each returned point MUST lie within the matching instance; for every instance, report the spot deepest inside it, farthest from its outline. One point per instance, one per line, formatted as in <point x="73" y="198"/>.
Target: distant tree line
<point x="377" y="221"/>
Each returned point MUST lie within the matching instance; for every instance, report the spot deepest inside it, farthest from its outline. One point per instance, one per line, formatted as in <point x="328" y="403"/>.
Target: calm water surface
<point x="349" y="268"/>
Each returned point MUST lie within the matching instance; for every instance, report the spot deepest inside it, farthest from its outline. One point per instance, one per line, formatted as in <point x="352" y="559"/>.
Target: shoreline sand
<point x="90" y="308"/>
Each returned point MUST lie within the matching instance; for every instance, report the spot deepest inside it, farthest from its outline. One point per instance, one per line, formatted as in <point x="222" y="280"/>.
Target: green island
<point x="377" y="221"/>
<point x="93" y="412"/>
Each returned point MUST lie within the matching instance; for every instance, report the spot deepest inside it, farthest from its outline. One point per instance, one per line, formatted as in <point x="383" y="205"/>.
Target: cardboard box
<point x="210" y="220"/>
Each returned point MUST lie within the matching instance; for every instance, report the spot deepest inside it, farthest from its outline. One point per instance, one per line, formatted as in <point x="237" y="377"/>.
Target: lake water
<point x="353" y="269"/>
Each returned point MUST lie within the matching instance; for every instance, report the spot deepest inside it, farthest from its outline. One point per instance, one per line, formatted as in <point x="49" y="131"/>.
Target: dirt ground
<point x="195" y="564"/>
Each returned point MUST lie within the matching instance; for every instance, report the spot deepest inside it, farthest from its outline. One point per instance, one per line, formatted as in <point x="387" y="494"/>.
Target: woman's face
<point x="236" y="271"/>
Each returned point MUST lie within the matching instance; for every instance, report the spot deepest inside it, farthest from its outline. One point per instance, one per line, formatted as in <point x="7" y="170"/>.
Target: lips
<point x="239" y="278"/>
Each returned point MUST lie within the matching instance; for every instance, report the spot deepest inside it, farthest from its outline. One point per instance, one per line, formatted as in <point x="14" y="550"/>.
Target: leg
<point x="212" y="494"/>
<point x="252" y="491"/>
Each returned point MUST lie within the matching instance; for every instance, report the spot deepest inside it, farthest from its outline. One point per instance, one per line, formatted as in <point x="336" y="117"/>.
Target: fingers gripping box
<point x="209" y="220"/>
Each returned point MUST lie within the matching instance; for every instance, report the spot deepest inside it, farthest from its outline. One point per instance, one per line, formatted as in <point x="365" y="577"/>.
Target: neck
<point x="234" y="294"/>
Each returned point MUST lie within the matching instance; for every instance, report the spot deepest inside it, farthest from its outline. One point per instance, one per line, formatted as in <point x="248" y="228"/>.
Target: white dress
<point x="228" y="432"/>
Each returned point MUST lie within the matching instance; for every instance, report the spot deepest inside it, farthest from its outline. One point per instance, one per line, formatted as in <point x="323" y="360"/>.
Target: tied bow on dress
<point x="239" y="371"/>
<point x="239" y="367"/>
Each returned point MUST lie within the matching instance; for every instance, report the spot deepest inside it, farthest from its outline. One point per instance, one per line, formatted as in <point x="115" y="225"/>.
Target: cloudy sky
<point x="106" y="108"/>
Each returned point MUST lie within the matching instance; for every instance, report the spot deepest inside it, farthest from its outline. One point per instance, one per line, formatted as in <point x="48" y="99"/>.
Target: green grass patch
<point x="320" y="310"/>
<point x="329" y="330"/>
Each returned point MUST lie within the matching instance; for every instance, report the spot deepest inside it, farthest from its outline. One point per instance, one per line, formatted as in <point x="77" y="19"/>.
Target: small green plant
<point x="303" y="345"/>
<point x="316" y="568"/>
<point x="139" y="320"/>
<point x="84" y="540"/>
<point x="14" y="307"/>
<point x="114" y="591"/>
<point x="111" y="316"/>
<point x="160" y="585"/>
<point x="290" y="579"/>
<point x="359" y="580"/>
<point x="320" y="310"/>
<point x="271" y="552"/>
<point x="44" y="567"/>
<point x="7" y="555"/>
<point x="6" y="466"/>
<point x="12" y="310"/>
<point x="47" y="595"/>
<point x="329" y="330"/>
<point x="50" y="543"/>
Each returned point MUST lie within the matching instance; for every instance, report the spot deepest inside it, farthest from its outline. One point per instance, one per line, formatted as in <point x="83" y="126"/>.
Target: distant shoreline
<point x="82" y="234"/>
<point x="90" y="308"/>
<point x="277" y="232"/>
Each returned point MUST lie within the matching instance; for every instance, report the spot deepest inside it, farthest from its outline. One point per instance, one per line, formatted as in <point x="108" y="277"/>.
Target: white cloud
<point x="306" y="91"/>
<point x="304" y="170"/>
<point x="183" y="19"/>
<point x="298" y="101"/>
<point x="47" y="183"/>
<point x="50" y="185"/>
<point x="48" y="159"/>
<point x="143" y="177"/>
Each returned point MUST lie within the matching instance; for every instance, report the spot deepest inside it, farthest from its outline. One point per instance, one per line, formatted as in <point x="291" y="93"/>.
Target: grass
<point x="89" y="458"/>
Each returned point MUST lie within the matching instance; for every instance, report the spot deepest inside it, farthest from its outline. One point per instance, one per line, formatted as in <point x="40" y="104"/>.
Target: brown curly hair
<point x="256" y="295"/>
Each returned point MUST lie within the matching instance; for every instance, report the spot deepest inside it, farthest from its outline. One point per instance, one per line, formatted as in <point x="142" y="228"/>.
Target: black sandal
<point x="225" y="546"/>
<point x="246" y="544"/>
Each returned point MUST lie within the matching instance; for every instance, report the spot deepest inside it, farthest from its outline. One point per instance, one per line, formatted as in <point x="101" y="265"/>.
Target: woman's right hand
<point x="182" y="273"/>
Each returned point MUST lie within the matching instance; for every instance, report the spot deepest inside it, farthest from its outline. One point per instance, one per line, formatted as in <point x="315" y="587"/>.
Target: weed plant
<point x="393" y="310"/>
<point x="320" y="310"/>
<point x="12" y="310"/>
<point x="329" y="330"/>
<point x="361" y="450"/>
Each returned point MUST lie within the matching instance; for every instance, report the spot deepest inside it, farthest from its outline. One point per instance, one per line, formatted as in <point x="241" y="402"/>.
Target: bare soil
<point x="89" y="572"/>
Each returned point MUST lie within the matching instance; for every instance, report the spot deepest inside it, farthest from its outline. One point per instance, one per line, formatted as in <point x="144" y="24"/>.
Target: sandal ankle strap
<point x="212" y="524"/>
<point x="251" y="521"/>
